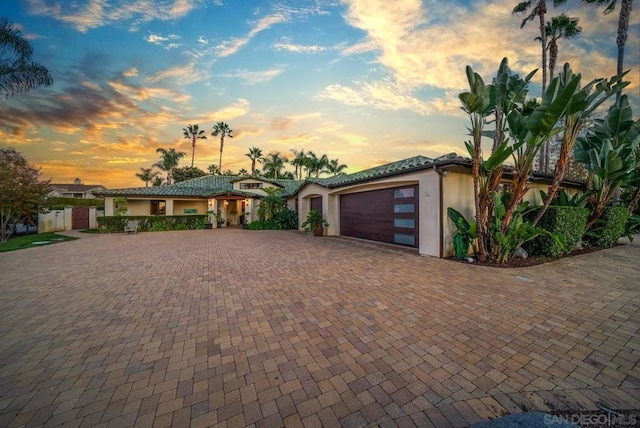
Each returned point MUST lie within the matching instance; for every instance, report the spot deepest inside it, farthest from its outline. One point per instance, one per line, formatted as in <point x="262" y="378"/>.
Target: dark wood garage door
<point x="388" y="215"/>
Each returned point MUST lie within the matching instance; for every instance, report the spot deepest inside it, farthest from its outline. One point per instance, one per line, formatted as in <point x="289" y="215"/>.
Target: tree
<point x="193" y="132"/>
<point x="582" y="105"/>
<point x="21" y="191"/>
<point x="18" y="74"/>
<point x="147" y="175"/>
<point x="538" y="9"/>
<point x="560" y="27"/>
<point x="187" y="173"/>
<point x="213" y="169"/>
<point x="316" y="165"/>
<point x="335" y="167"/>
<point x="169" y="160"/>
<point x="298" y="161"/>
<point x="273" y="165"/>
<point x="255" y="154"/>
<point x="222" y="129"/>
<point x="623" y="27"/>
<point x="157" y="181"/>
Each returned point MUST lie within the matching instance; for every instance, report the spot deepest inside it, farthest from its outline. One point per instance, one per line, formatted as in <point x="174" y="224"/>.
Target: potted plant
<point x="314" y="222"/>
<point x="209" y="224"/>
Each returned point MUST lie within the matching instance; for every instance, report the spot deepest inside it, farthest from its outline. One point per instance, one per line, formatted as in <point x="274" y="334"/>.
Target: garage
<point x="387" y="215"/>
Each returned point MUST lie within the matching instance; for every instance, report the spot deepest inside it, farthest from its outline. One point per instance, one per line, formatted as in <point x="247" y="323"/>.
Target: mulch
<point x="531" y="261"/>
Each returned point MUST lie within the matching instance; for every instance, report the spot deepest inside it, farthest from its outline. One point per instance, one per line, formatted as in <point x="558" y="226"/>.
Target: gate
<point x="80" y="218"/>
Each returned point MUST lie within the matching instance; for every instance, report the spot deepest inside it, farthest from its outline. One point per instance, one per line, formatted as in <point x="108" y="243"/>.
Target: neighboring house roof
<point x="75" y="188"/>
<point x="206" y="186"/>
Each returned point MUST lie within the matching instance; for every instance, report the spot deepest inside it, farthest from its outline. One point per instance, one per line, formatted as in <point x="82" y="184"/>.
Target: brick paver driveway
<point x="236" y="328"/>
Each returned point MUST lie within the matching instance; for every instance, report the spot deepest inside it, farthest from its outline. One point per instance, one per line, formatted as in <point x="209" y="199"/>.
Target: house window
<point x="158" y="207"/>
<point x="251" y="185"/>
<point x="409" y="192"/>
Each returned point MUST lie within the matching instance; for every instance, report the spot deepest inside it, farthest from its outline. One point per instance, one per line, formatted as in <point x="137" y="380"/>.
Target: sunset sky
<point x="364" y="81"/>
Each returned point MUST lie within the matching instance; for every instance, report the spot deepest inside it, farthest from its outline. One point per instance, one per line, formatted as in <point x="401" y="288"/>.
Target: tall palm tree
<point x="17" y="72"/>
<point x="317" y="165"/>
<point x="194" y="133"/>
<point x="538" y="9"/>
<point x="273" y="164"/>
<point x="169" y="159"/>
<point x="147" y="175"/>
<point x="255" y="154"/>
<point x="560" y="27"/>
<point x="222" y="129"/>
<point x="298" y="161"/>
<point x="623" y="28"/>
<point x="335" y="167"/>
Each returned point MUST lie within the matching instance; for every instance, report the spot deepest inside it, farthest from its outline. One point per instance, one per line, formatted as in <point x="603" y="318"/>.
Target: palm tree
<point x="169" y="159"/>
<point x="273" y="164"/>
<point x="560" y="27"/>
<point x="335" y="167"/>
<point x="317" y="165"/>
<point x="147" y="175"/>
<point x="213" y="169"/>
<point x="538" y="9"/>
<point x="157" y="181"/>
<point x="17" y="72"/>
<point x="255" y="154"/>
<point x="298" y="161"/>
<point x="222" y="129"/>
<point x="623" y="28"/>
<point x="194" y="133"/>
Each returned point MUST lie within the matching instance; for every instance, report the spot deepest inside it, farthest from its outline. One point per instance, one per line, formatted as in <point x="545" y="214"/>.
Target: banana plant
<point x="611" y="153"/>
<point x="465" y="236"/>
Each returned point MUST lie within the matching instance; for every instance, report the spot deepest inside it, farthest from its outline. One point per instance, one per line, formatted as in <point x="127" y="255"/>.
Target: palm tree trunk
<point x="221" y="147"/>
<point x="193" y="150"/>
<point x="633" y="204"/>
<point x="621" y="40"/>
<point x="542" y="10"/>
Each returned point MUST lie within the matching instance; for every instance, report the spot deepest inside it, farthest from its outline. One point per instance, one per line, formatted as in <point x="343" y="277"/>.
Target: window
<point x="404" y="208"/>
<point x="404" y="193"/>
<point x="158" y="208"/>
<point x="408" y="223"/>
<point x="399" y="238"/>
<point x="251" y="185"/>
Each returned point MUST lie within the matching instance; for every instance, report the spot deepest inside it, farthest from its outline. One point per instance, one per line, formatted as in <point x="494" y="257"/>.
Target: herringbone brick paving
<point x="266" y="329"/>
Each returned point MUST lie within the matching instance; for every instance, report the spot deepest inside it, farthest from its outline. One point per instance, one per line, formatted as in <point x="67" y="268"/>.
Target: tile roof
<point x="393" y="168"/>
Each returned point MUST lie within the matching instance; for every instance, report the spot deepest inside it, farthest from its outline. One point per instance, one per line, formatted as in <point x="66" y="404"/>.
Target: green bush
<point x="286" y="219"/>
<point x="112" y="224"/>
<point x="609" y="228"/>
<point x="262" y="225"/>
<point x="569" y="223"/>
<point x="56" y="203"/>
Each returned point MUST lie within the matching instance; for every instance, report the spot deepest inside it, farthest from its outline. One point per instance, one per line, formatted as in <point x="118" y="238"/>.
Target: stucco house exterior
<point x="233" y="197"/>
<point x="75" y="189"/>
<point x="402" y="203"/>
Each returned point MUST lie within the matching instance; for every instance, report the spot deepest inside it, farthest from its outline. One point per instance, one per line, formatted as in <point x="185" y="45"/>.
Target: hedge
<point x="57" y="203"/>
<point x="146" y="223"/>
<point x="610" y="227"/>
<point x="567" y="222"/>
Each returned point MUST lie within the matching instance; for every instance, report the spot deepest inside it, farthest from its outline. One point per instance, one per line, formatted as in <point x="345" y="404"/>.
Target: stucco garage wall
<point x="457" y="193"/>
<point x="180" y="206"/>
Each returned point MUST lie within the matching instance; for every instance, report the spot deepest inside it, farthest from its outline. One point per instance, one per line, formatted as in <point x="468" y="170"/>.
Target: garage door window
<point x="408" y="223"/>
<point x="399" y="238"/>
<point x="409" y="192"/>
<point x="404" y="208"/>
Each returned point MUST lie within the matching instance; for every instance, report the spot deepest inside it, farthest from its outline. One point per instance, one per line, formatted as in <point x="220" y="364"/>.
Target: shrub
<point x="111" y="224"/>
<point x="57" y="203"/>
<point x="609" y="228"/>
<point x="286" y="219"/>
<point x="261" y="225"/>
<point x="569" y="223"/>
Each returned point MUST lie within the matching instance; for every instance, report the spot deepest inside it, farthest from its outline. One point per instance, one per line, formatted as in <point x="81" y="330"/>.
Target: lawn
<point x="28" y="241"/>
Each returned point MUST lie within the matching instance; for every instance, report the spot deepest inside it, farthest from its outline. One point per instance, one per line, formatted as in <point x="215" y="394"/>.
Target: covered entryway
<point x="387" y="215"/>
<point x="80" y="218"/>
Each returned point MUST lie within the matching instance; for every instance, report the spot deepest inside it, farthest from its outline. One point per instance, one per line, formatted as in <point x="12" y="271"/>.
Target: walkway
<point x="235" y="328"/>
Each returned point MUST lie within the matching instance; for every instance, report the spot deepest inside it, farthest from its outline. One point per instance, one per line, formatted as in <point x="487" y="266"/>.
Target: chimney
<point x="77" y="181"/>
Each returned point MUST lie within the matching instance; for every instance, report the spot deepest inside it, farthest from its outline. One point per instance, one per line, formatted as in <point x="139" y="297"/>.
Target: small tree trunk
<point x="633" y="204"/>
<point x="621" y="40"/>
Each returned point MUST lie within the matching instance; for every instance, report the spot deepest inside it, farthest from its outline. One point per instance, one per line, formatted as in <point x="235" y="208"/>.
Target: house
<point x="75" y="190"/>
<point x="402" y="203"/>
<point x="232" y="197"/>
